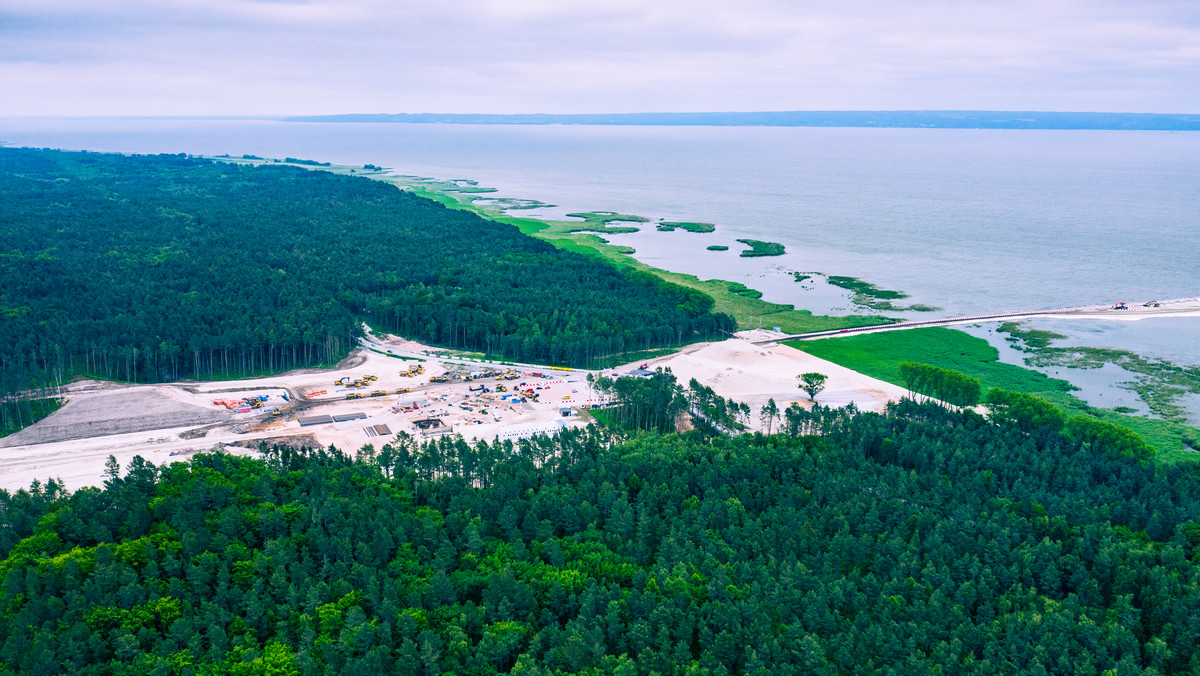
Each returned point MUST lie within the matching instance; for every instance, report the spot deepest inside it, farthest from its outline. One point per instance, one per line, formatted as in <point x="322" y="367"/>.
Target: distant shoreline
<point x="886" y="119"/>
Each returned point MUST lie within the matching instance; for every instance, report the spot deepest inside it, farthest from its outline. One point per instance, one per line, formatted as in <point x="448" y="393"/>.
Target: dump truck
<point x="439" y="379"/>
<point x="403" y="390"/>
<point x="355" y="395"/>
<point x="379" y="393"/>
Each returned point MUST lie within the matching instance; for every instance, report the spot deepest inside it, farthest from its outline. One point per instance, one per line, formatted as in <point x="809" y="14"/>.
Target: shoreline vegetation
<point x="1159" y="383"/>
<point x="868" y="295"/>
<point x="760" y="248"/>
<point x="583" y="238"/>
<point x="880" y="355"/>
<point x="1173" y="439"/>
<point x="601" y="222"/>
<point x="689" y="226"/>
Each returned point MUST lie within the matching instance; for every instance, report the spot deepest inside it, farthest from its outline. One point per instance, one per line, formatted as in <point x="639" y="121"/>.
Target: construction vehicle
<point x="354" y="395"/>
<point x="370" y="378"/>
<point x="439" y="379"/>
<point x="1152" y="303"/>
<point x="403" y="390"/>
<point x="342" y="381"/>
<point x="379" y="393"/>
<point x="1120" y="306"/>
<point x="501" y="388"/>
<point x="281" y="411"/>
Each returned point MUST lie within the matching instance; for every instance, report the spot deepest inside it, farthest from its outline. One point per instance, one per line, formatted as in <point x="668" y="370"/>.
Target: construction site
<point x="386" y="387"/>
<point x="390" y="386"/>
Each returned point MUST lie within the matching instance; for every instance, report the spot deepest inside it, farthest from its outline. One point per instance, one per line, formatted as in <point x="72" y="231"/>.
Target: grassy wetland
<point x="876" y="355"/>
<point x="731" y="298"/>
<point x="1161" y="384"/>
<point x="879" y="355"/>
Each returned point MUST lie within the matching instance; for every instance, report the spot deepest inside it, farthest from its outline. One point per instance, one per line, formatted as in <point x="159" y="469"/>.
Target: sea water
<point x="969" y="221"/>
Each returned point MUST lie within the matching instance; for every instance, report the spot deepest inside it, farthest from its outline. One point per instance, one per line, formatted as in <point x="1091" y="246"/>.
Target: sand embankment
<point x="116" y="410"/>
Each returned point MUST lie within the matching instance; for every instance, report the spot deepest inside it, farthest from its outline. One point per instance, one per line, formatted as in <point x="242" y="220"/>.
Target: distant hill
<point x="933" y="119"/>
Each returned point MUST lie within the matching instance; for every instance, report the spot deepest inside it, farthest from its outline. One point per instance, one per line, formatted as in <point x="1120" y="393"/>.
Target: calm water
<point x="970" y="221"/>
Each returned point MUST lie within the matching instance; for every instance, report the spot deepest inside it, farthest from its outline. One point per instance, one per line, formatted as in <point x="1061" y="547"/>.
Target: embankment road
<point x="1181" y="306"/>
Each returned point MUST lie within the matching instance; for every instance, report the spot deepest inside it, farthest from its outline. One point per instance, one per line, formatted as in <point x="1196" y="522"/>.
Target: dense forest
<point x="919" y="541"/>
<point x="149" y="268"/>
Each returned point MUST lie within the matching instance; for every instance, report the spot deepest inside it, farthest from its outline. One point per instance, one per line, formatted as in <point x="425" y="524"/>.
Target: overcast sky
<point x="284" y="57"/>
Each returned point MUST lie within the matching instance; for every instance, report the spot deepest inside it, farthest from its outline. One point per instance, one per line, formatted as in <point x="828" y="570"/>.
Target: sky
<point x="296" y="57"/>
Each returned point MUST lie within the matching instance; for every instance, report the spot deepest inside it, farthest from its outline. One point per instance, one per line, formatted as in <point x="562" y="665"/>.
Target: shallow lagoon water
<point x="1172" y="339"/>
<point x="971" y="221"/>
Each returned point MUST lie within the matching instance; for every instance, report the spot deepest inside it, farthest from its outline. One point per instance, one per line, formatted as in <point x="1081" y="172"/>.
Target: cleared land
<point x="740" y="370"/>
<point x="159" y="422"/>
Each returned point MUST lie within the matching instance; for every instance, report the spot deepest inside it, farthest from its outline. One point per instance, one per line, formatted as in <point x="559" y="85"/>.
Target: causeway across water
<point x="1181" y="306"/>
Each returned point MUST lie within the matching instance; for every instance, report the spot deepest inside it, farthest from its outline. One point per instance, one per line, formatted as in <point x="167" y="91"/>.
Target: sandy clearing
<point x="129" y="420"/>
<point x="157" y="421"/>
<point x="738" y="369"/>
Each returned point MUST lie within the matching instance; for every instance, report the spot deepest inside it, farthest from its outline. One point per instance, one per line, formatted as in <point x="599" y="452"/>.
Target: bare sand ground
<point x="170" y="421"/>
<point x="738" y="369"/>
<point x="163" y="423"/>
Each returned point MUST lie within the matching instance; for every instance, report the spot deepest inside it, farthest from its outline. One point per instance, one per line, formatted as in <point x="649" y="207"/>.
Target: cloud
<point x="296" y="57"/>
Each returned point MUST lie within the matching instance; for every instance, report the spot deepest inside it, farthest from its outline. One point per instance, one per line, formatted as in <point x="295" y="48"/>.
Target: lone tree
<point x="770" y="411"/>
<point x="812" y="383"/>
